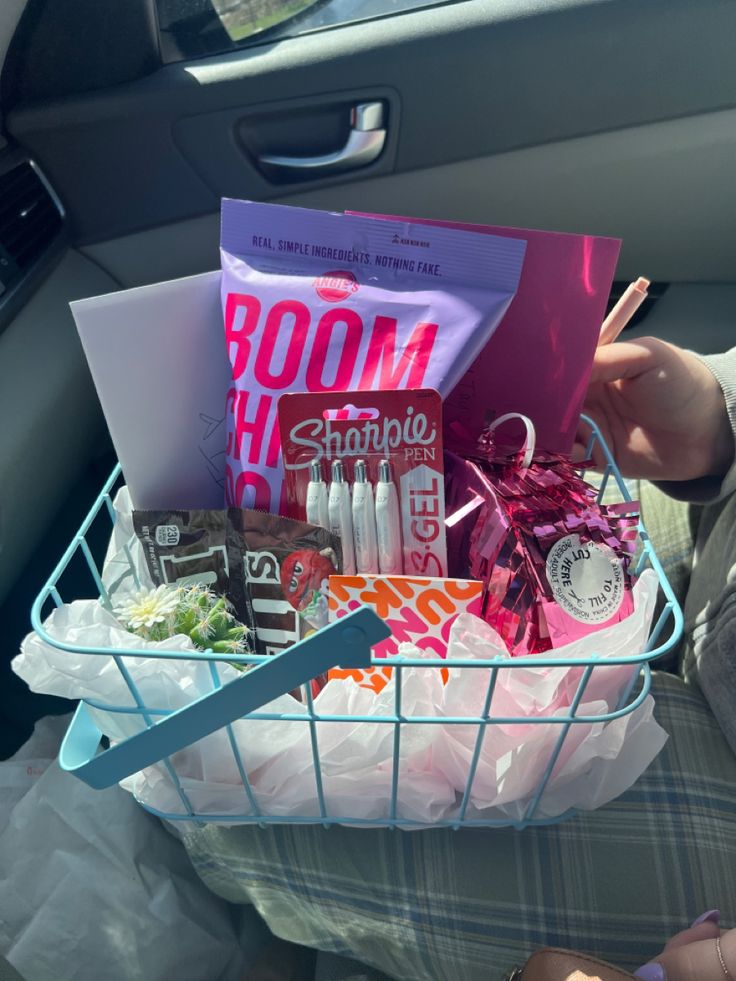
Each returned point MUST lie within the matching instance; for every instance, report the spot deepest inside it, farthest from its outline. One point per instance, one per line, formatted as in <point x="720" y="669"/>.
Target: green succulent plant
<point x="193" y="610"/>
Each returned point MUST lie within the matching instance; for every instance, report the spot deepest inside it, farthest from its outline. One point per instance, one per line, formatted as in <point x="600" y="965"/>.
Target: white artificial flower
<point x="147" y="607"/>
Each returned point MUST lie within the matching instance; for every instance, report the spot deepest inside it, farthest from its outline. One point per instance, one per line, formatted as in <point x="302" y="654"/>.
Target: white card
<point x="158" y="359"/>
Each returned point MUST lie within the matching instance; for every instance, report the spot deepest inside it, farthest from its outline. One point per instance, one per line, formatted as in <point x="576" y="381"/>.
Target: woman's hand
<point x="660" y="410"/>
<point x="693" y="955"/>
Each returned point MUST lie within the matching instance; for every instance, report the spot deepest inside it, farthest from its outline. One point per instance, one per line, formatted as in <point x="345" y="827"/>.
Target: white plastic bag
<point x="92" y="887"/>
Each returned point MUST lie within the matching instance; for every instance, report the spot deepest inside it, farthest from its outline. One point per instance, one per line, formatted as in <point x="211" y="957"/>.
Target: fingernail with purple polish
<point x="712" y="916"/>
<point x="651" y="972"/>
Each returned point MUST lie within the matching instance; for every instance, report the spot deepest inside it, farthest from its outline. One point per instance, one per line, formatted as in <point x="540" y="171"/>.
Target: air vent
<point x="30" y="220"/>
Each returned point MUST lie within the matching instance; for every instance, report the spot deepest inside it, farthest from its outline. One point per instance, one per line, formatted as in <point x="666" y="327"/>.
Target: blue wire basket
<point x="347" y="644"/>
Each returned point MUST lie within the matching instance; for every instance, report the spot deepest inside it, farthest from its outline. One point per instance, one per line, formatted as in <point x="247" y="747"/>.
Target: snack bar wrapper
<point x="281" y="568"/>
<point x="273" y="570"/>
<point x="316" y="302"/>
<point x="185" y="547"/>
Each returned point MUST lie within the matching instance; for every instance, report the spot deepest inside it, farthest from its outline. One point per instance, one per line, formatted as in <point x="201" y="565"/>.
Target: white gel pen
<point x="339" y="511"/>
<point x="388" y="526"/>
<point x="364" y="521"/>
<point x="317" y="512"/>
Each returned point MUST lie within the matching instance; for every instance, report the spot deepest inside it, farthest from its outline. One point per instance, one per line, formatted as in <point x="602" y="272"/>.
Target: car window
<point x="192" y="28"/>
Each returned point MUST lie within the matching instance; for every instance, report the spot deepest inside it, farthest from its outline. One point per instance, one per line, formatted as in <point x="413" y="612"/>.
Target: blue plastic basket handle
<point x="346" y="643"/>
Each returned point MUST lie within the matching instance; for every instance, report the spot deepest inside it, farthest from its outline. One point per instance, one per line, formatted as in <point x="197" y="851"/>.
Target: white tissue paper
<point x="598" y="760"/>
<point x="92" y="887"/>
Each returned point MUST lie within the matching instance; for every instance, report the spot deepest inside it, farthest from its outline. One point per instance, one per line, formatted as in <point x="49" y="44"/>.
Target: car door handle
<point x="364" y="145"/>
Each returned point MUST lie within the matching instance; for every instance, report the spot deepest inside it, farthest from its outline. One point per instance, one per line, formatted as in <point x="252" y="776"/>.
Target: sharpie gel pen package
<point x="318" y="302"/>
<point x="369" y="466"/>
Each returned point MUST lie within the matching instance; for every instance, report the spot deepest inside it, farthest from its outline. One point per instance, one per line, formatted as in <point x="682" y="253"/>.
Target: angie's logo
<point x="336" y="286"/>
<point x="398" y="240"/>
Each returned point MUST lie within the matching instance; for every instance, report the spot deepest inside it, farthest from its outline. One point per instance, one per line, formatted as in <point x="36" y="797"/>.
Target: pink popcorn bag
<point x="316" y="302"/>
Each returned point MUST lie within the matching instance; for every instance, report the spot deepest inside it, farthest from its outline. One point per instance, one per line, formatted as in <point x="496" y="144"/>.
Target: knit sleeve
<point x="707" y="490"/>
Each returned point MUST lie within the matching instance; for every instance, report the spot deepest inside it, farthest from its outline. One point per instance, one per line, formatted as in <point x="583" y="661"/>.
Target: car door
<point x="613" y="117"/>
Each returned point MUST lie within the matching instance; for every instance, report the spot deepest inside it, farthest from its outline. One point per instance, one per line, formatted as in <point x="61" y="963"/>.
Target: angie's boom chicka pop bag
<point x="316" y="302"/>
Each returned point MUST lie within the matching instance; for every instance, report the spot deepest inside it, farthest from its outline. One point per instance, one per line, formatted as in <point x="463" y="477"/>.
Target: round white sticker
<point x="587" y="580"/>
